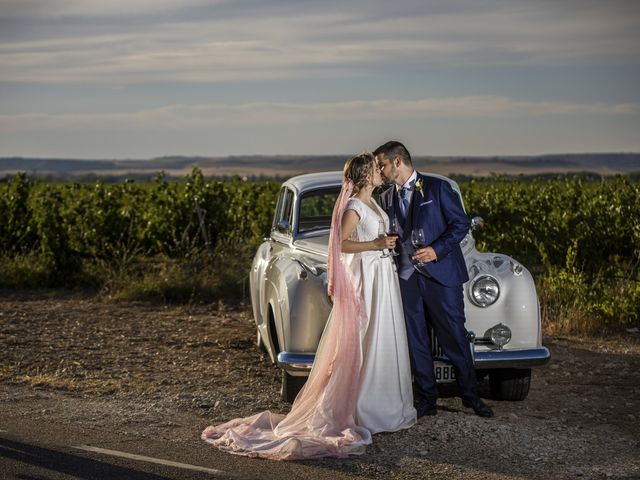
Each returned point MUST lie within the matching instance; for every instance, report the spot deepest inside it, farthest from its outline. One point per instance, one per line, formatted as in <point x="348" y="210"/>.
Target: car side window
<point x="284" y="208"/>
<point x="287" y="208"/>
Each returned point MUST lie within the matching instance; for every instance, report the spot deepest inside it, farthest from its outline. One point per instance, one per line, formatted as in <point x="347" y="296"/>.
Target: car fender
<point x="517" y="305"/>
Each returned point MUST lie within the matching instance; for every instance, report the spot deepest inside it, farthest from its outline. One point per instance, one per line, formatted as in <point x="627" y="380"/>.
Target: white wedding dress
<point x="385" y="396"/>
<point x="360" y="382"/>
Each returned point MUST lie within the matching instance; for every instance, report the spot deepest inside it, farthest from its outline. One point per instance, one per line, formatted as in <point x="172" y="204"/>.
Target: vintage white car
<point x="291" y="305"/>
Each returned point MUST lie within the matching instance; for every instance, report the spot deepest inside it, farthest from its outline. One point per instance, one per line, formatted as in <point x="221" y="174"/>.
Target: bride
<point x="360" y="383"/>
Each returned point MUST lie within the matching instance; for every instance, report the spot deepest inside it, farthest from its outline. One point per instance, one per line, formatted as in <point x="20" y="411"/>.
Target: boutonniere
<point x="419" y="187"/>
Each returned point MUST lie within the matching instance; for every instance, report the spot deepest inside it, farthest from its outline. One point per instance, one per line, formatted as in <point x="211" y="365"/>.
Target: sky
<point x="118" y="79"/>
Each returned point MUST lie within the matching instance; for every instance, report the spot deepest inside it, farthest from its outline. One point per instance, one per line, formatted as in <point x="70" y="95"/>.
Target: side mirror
<point x="283" y="226"/>
<point x="477" y="223"/>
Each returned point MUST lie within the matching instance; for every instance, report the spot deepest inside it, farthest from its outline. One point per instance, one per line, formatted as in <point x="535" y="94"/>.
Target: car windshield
<point x="316" y="208"/>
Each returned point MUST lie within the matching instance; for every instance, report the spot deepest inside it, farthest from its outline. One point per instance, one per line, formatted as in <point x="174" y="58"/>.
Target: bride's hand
<point x="384" y="241"/>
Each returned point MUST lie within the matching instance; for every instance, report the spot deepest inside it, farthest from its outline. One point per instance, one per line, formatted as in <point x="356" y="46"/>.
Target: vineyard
<point x="193" y="240"/>
<point x="581" y="240"/>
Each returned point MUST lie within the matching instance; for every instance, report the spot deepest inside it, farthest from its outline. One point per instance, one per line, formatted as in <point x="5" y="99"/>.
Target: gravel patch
<point x="166" y="372"/>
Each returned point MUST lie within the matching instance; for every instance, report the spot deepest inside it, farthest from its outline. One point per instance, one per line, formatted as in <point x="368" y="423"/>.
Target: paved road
<point x="32" y="450"/>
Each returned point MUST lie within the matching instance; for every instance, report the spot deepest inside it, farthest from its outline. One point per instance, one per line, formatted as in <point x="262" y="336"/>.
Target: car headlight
<point x="500" y="335"/>
<point x="485" y="291"/>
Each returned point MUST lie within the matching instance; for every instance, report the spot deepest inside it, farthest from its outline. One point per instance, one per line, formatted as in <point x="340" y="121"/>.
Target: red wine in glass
<point x="393" y="232"/>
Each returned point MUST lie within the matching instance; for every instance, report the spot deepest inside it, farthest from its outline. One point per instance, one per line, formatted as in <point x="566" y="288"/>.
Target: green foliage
<point x="194" y="239"/>
<point x="575" y="302"/>
<point x="539" y="223"/>
<point x="15" y="216"/>
<point x="101" y="233"/>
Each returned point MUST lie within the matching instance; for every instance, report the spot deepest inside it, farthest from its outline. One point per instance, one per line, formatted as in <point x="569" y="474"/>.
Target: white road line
<point x="142" y="458"/>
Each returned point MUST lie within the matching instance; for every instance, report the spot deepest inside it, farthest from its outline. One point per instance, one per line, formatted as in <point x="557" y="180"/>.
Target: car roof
<point x="311" y="181"/>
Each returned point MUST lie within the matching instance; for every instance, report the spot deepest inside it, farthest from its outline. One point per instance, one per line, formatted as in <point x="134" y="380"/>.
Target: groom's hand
<point x="424" y="255"/>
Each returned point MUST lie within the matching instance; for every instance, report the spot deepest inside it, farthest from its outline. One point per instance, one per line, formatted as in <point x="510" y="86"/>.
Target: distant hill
<point x="263" y="166"/>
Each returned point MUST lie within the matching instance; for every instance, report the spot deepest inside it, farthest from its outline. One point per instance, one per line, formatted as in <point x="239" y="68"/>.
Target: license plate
<point x="444" y="373"/>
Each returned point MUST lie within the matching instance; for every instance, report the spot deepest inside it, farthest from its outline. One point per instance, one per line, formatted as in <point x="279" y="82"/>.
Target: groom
<point x="431" y="293"/>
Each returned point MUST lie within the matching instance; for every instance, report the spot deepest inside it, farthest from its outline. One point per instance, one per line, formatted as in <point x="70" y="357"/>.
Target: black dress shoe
<point x="479" y="407"/>
<point x="426" y="408"/>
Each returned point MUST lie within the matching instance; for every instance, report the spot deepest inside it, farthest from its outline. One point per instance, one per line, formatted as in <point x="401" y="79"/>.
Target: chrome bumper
<point x="526" y="358"/>
<point x="296" y="361"/>
<point x="530" y="357"/>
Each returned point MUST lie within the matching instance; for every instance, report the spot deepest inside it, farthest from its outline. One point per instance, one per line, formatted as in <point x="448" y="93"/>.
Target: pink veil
<point x="321" y="422"/>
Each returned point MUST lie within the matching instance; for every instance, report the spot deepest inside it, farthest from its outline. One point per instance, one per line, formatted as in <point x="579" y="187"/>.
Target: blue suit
<point x="433" y="294"/>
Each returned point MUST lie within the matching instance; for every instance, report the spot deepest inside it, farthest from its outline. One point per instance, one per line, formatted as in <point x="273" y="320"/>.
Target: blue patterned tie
<point x="404" y="202"/>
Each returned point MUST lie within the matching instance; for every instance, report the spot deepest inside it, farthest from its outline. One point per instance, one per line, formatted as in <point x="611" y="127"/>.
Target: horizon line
<point x="294" y="155"/>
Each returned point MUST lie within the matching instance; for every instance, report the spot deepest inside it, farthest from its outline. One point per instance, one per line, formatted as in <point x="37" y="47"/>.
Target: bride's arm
<point x="349" y="221"/>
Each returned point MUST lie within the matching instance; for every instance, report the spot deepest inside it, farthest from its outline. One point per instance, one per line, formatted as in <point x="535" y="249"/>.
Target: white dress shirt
<point x="409" y="185"/>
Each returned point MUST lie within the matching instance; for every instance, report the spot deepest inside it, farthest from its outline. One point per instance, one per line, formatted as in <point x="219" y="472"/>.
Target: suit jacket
<point x="438" y="210"/>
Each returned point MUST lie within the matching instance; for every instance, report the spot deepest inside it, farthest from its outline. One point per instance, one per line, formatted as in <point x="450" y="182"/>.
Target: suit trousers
<point x="427" y="302"/>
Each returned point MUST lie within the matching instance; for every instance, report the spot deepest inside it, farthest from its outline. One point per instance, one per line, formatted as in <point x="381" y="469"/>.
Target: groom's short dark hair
<point x="392" y="149"/>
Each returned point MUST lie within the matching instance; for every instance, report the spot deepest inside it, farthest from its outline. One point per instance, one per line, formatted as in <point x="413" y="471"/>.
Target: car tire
<point x="291" y="386"/>
<point x="510" y="383"/>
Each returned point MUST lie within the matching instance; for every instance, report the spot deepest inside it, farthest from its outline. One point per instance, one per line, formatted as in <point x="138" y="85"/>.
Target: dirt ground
<point x="169" y="371"/>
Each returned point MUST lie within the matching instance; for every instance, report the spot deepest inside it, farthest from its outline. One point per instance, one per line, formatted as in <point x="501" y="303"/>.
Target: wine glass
<point x="418" y="241"/>
<point x="393" y="232"/>
<point x="381" y="233"/>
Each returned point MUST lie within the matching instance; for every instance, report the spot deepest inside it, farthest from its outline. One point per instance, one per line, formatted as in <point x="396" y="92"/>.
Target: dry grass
<point x="58" y="381"/>
<point x="97" y="387"/>
<point x="570" y="320"/>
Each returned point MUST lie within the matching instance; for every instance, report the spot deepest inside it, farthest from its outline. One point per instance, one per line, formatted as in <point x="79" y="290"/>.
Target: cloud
<point x="147" y="41"/>
<point x="184" y="117"/>
<point x="47" y="9"/>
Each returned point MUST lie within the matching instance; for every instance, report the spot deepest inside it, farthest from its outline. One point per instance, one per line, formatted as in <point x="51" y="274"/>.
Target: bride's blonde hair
<point x="358" y="168"/>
